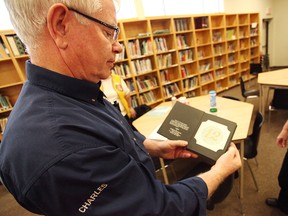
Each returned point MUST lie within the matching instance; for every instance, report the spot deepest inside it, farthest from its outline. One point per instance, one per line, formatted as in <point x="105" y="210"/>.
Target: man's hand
<point x="168" y="149"/>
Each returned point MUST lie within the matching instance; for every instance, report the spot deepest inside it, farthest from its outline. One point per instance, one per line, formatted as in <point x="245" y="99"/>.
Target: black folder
<point x="208" y="135"/>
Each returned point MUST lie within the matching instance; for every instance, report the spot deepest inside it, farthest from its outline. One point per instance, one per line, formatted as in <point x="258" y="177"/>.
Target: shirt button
<point x="93" y="100"/>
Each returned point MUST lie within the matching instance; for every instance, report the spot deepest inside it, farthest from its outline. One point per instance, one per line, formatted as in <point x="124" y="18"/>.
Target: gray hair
<point x="28" y="17"/>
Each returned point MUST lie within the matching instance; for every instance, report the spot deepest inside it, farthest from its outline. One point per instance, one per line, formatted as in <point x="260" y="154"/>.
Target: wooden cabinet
<point x="12" y="73"/>
<point x="166" y="56"/>
<point x="188" y="55"/>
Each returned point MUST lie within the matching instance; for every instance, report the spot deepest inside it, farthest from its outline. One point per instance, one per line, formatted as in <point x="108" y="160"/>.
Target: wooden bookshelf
<point x="12" y="71"/>
<point x="190" y="55"/>
<point x="167" y="56"/>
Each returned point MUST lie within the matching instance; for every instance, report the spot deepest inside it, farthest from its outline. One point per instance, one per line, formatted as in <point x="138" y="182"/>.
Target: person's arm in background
<point x="227" y="164"/>
<point x="128" y="98"/>
<point x="282" y="137"/>
<point x="132" y="111"/>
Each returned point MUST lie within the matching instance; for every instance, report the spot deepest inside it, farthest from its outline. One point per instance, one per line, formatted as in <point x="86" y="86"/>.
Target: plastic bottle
<point x="213" y="105"/>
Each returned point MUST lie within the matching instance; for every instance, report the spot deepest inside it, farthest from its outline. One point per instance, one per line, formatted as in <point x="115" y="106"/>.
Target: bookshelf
<point x="12" y="73"/>
<point x="165" y="56"/>
<point x="189" y="55"/>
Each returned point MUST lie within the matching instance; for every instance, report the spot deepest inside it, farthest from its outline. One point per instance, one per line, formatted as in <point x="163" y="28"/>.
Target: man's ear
<point x="57" y="23"/>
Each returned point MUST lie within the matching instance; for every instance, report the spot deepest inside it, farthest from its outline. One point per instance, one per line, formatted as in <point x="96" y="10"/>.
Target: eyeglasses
<point x="116" y="29"/>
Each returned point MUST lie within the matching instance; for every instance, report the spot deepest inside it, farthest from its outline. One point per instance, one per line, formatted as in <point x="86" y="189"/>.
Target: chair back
<point x="231" y="97"/>
<point x="242" y="86"/>
<point x="279" y="100"/>
<point x="251" y="142"/>
<point x="259" y="120"/>
<point x="141" y="110"/>
<point x="255" y="68"/>
<point x="221" y="192"/>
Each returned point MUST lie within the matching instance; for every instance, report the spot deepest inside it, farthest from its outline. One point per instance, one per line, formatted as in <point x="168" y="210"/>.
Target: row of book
<point x="201" y="54"/>
<point x="181" y="25"/>
<point x="138" y="48"/>
<point x="205" y="78"/>
<point x="233" y="81"/>
<point x="147" y="97"/>
<point x="191" y="94"/>
<point x="242" y="34"/>
<point x="218" y="49"/>
<point x="253" y="42"/>
<point x="232" y="58"/>
<point x="165" y="76"/>
<point x="231" y="34"/>
<point x="171" y="90"/>
<point x="181" y="42"/>
<point x="4" y="52"/>
<point x="121" y="56"/>
<point x="201" y="22"/>
<point x="186" y="55"/>
<point x="190" y="83"/>
<point x="232" y="69"/>
<point x="17" y="47"/>
<point x="204" y="67"/>
<point x="254" y="29"/>
<point x="130" y="85"/>
<point x="231" y="47"/>
<point x="147" y="83"/>
<point x="134" y="101"/>
<point x="5" y="103"/>
<point x="184" y="72"/>
<point x="244" y="57"/>
<point x="122" y="69"/>
<point x="243" y="44"/>
<point x="140" y="66"/>
<point x="219" y="85"/>
<point x="164" y="60"/>
<point x="161" y="44"/>
<point x="217" y="36"/>
<point x="3" y="122"/>
<point x="219" y="63"/>
<point x="220" y="74"/>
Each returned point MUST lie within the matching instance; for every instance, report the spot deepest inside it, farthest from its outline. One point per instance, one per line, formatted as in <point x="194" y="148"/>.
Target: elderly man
<point x="66" y="151"/>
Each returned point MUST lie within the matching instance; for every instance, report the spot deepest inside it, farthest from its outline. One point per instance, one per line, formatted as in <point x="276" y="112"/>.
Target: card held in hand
<point x="208" y="135"/>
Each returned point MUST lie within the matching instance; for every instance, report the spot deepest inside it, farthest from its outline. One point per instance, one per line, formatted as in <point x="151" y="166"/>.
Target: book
<point x="4" y="103"/>
<point x="3" y="122"/>
<point x="207" y="135"/>
<point x="20" y="46"/>
<point x="13" y="45"/>
<point x="3" y="49"/>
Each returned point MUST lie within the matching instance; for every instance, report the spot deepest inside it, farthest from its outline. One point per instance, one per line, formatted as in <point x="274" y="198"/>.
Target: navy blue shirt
<point x="67" y="151"/>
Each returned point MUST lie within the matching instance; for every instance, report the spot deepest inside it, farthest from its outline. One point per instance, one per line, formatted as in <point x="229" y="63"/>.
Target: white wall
<point x="5" y="23"/>
<point x="278" y="45"/>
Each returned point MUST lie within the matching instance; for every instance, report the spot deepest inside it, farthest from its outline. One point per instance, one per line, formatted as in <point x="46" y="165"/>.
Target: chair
<point x="164" y="169"/>
<point x="221" y="192"/>
<point x="247" y="94"/>
<point x="231" y="97"/>
<point x="255" y="68"/>
<point x="251" y="144"/>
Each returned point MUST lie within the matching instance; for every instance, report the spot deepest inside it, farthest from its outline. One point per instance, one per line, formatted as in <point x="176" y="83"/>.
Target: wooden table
<point x="236" y="111"/>
<point x="271" y="79"/>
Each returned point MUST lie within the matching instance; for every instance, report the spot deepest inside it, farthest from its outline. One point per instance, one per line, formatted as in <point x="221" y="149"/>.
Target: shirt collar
<point x="72" y="87"/>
